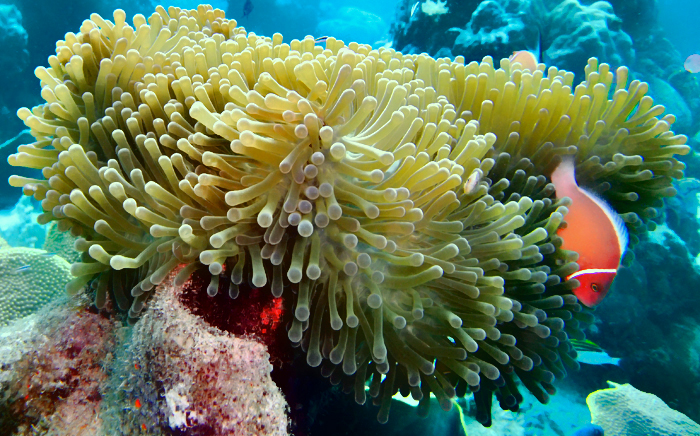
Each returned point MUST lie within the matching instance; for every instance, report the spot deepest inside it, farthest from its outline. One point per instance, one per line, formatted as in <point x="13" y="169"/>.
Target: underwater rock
<point x="650" y="319"/>
<point x="659" y="60"/>
<point x="666" y="95"/>
<point x="14" y="59"/>
<point x="51" y="370"/>
<point x="71" y="370"/>
<point x="19" y="227"/>
<point x="495" y="28"/>
<point x="208" y="381"/>
<point x="637" y="16"/>
<point x="414" y="31"/>
<point x="623" y="410"/>
<point x="14" y="56"/>
<point x="681" y="213"/>
<point x="348" y="24"/>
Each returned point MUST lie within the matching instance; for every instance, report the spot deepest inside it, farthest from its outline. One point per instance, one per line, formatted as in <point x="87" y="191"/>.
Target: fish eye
<point x="595" y="287"/>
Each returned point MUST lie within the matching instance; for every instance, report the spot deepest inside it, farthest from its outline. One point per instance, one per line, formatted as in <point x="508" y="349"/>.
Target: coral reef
<point x="574" y="32"/>
<point x="13" y="37"/>
<point x="301" y="18"/>
<point x="638" y="16"/>
<point x="495" y="28"/>
<point x="566" y="33"/>
<point x="403" y="199"/>
<point x="681" y="214"/>
<point x="14" y="59"/>
<point x="60" y="243"/>
<point x="29" y="279"/>
<point x="431" y="8"/>
<point x="71" y="370"/>
<point x="650" y="320"/>
<point x="19" y="227"/>
<point x="623" y="410"/>
<point x="659" y="62"/>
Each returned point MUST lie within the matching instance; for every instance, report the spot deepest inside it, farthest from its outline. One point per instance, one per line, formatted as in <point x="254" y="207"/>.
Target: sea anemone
<point x="403" y="199"/>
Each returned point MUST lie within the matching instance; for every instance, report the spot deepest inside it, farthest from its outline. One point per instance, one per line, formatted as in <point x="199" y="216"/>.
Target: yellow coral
<point x="623" y="410"/>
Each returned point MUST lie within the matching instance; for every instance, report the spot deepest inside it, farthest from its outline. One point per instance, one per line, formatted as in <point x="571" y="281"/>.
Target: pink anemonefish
<point x="692" y="63"/>
<point x="595" y="231"/>
<point x="526" y="59"/>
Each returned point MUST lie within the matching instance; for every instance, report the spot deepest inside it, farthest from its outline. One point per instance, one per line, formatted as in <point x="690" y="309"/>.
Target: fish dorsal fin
<point x="585" y="345"/>
<point x="565" y="175"/>
<point x="614" y="217"/>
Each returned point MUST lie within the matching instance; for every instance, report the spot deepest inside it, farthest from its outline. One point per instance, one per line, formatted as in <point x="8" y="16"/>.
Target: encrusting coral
<point x="53" y="368"/>
<point x="623" y="410"/>
<point x="404" y="199"/>
<point x="29" y="279"/>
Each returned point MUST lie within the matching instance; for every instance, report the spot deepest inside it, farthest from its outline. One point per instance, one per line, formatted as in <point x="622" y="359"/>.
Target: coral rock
<point x="14" y="56"/>
<point x="51" y="371"/>
<point x="209" y="382"/>
<point x="626" y="411"/>
<point x="583" y="31"/>
<point x="29" y="279"/>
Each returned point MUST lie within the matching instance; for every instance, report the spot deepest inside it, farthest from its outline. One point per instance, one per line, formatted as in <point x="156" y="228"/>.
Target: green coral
<point x="29" y="279"/>
<point x="60" y="243"/>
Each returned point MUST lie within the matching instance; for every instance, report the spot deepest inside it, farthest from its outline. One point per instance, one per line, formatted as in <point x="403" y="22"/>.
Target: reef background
<point x="650" y="319"/>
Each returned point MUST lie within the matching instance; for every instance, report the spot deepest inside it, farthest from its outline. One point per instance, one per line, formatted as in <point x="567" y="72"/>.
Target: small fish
<point x="585" y="345"/>
<point x="692" y="63"/>
<point x="595" y="231"/>
<point x="590" y="430"/>
<point x="247" y="8"/>
<point x="23" y="268"/>
<point x="320" y="39"/>
<point x="413" y="9"/>
<point x="596" y="358"/>
<point x="48" y="254"/>
<point x="526" y="59"/>
<point x="590" y="353"/>
<point x="472" y="182"/>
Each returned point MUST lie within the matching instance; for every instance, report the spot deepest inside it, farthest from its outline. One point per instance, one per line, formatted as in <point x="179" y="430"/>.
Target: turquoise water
<point x="645" y="333"/>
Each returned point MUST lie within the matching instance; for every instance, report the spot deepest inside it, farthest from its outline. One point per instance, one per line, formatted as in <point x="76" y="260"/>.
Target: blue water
<point x="650" y="320"/>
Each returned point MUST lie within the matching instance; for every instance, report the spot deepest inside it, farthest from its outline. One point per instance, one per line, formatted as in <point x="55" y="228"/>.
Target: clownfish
<point x="526" y="59"/>
<point x="692" y="64"/>
<point x="595" y="231"/>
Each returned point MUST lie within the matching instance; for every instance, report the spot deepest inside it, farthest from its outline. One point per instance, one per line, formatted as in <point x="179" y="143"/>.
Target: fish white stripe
<point x="590" y="271"/>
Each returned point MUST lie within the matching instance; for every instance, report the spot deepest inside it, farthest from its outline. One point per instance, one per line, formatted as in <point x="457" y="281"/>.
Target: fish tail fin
<point x="565" y="173"/>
